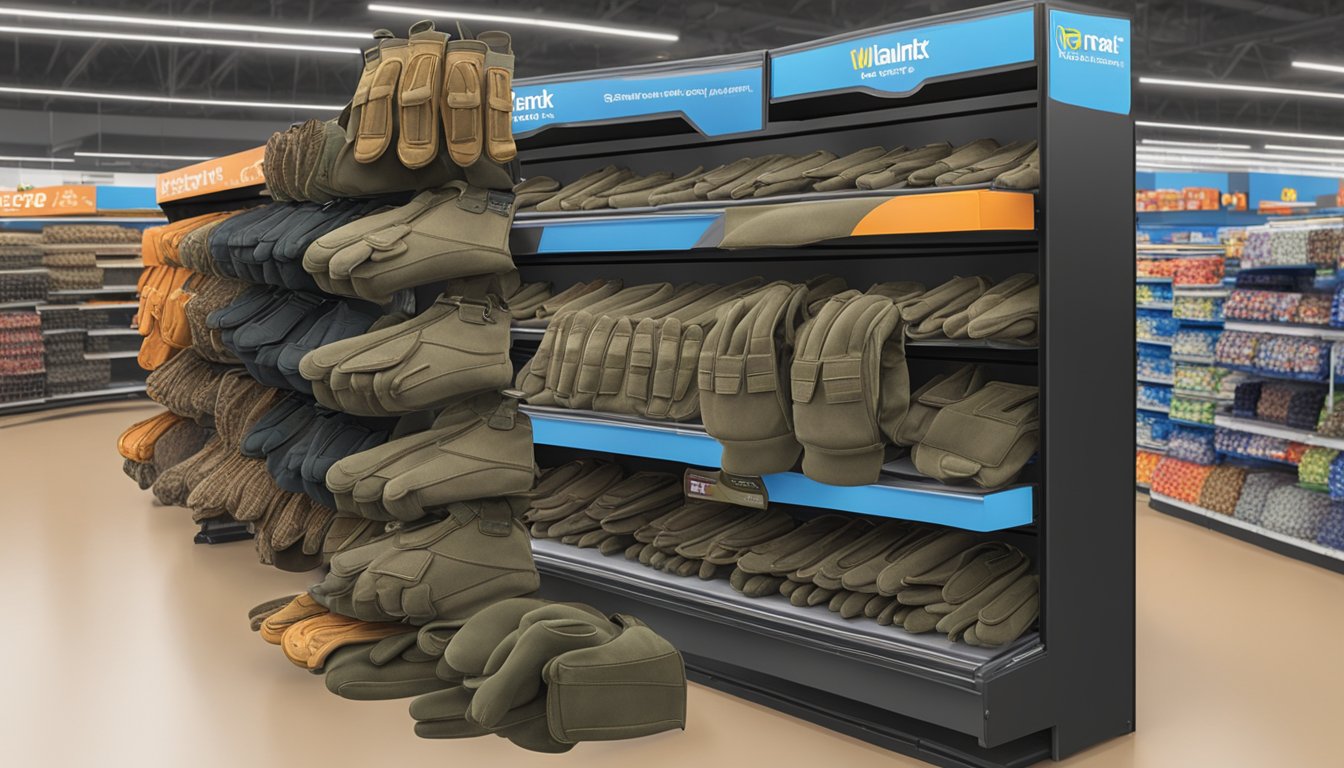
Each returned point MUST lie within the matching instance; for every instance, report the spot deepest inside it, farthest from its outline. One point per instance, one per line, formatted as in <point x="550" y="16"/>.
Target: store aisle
<point x="128" y="645"/>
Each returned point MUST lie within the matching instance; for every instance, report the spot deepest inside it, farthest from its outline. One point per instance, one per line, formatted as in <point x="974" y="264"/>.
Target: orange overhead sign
<point x="242" y="169"/>
<point x="66" y="200"/>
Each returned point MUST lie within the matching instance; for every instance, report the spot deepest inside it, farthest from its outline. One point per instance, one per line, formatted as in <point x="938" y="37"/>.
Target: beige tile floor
<point x="124" y="644"/>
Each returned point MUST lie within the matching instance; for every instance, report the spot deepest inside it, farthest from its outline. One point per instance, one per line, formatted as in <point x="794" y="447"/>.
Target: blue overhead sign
<point x="1089" y="61"/>
<point x="715" y="101"/>
<point x="900" y="61"/>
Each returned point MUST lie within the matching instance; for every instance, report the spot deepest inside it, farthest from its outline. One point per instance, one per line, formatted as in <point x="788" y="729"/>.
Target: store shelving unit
<point x="132" y="207"/>
<point x="1307" y="278"/>
<point x="1046" y="695"/>
<point x="1056" y="690"/>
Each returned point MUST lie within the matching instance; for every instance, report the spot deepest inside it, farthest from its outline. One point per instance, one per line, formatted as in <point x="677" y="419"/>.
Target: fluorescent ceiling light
<point x="98" y="35"/>
<point x="17" y="159"/>
<point x="149" y="21"/>
<point x="1152" y="165"/>
<point x="1165" y="143"/>
<point x="1235" y="154"/>
<point x="1242" y="131"/>
<point x="1339" y="69"/>
<point x="1241" y="88"/>
<point x="166" y="99"/>
<point x="1305" y="149"/>
<point x="528" y="21"/>
<point x="1227" y="163"/>
<point x="134" y="156"/>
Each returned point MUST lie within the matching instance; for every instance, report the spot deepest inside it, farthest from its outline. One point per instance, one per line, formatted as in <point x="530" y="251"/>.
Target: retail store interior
<point x="619" y="382"/>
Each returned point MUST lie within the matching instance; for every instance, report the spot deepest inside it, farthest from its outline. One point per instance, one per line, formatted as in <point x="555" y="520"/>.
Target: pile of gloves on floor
<point x="780" y="370"/>
<point x="1015" y="165"/>
<point x="426" y="111"/>
<point x="921" y="578"/>
<point x="442" y="611"/>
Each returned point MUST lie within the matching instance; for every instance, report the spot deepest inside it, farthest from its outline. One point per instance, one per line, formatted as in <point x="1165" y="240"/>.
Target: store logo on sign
<point x="1072" y="43"/>
<point x="543" y="100"/>
<point x="878" y="55"/>
<point x="1288" y="195"/>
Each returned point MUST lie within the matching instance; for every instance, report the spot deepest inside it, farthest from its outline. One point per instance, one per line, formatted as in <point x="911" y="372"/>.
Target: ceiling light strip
<point x="61" y="94"/>
<point x="1240" y="88"/>
<point x="100" y="35"/>
<point x="19" y="159"/>
<point x="137" y="156"/>
<point x="1233" y="154"/>
<point x="1240" y="131"/>
<point x="1165" y="143"/>
<point x="298" y="29"/>
<point x="1336" y="68"/>
<point x="1322" y="150"/>
<point x="528" y="21"/>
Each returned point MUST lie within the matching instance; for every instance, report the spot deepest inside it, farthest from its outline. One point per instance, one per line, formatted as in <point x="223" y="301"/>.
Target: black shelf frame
<point x="1076" y="688"/>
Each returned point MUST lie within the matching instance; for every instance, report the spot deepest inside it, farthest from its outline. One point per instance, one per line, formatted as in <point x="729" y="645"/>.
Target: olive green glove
<point x="1026" y="175"/>
<point x="456" y="347"/>
<point x="897" y="172"/>
<point x="445" y="570"/>
<point x="933" y="395"/>
<point x="964" y="156"/>
<point x="1008" y="615"/>
<point x="764" y="568"/>
<point x="986" y="438"/>
<point x="957" y="326"/>
<point x="984" y="171"/>
<point x="927" y="312"/>
<point x="850" y="387"/>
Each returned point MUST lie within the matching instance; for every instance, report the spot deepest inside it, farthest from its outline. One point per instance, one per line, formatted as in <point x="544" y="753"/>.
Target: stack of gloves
<point x="270" y="330"/>
<point x="382" y="473"/>
<point x="781" y="371"/>
<point x="215" y="479"/>
<point x="427" y="111"/>
<point x="67" y="370"/>
<point x="919" y="577"/>
<point x="155" y="444"/>
<point x="963" y="429"/>
<point x="902" y="574"/>
<point x="300" y="440"/>
<point x="22" y="371"/>
<point x="162" y="318"/>
<point x="543" y="675"/>
<point x="20" y="250"/>
<point x="451" y="232"/>
<point x="28" y="284"/>
<point x="477" y="447"/>
<point x="631" y="350"/>
<point x="90" y="234"/>
<point x="265" y="245"/>
<point x="457" y="346"/>
<point x="72" y="270"/>
<point x="984" y="161"/>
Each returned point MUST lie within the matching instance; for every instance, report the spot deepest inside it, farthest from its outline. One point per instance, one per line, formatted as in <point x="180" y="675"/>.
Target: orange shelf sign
<point x="960" y="211"/>
<point x="66" y="200"/>
<point x="242" y="169"/>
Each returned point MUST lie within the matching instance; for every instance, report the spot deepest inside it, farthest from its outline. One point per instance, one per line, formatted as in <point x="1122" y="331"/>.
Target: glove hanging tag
<point x="507" y="412"/>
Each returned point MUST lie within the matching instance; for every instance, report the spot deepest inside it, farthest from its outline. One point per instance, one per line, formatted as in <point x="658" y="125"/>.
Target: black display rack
<point x="1054" y="692"/>
<point x="1017" y="70"/>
